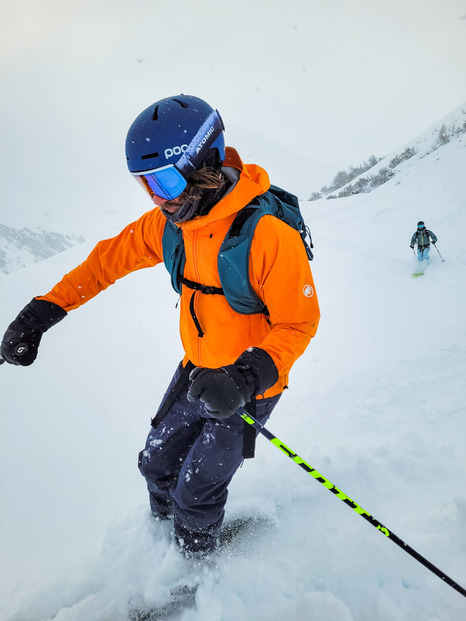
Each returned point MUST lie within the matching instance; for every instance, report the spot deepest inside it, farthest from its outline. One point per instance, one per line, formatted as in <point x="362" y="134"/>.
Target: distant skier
<point x="235" y="356"/>
<point x="422" y="237"/>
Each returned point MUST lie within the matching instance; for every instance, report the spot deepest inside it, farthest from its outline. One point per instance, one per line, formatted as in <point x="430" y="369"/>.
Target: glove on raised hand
<point x="228" y="388"/>
<point x="27" y="329"/>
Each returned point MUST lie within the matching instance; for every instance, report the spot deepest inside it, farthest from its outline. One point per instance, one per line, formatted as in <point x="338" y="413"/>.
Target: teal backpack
<point x="233" y="258"/>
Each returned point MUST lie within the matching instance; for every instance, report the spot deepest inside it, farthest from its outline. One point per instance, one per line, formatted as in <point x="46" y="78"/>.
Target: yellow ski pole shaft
<point x="348" y="501"/>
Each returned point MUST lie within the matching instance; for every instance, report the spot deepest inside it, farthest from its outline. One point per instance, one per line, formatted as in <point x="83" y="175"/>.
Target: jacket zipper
<point x="196" y="300"/>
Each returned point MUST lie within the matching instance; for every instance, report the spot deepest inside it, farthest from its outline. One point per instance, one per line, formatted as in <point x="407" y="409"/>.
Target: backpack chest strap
<point x="206" y="289"/>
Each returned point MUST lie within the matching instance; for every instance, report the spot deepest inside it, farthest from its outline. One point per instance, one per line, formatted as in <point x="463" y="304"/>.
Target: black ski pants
<point x="188" y="462"/>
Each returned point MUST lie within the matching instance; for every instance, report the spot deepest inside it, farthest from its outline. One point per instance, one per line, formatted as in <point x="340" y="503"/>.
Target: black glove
<point x="411" y="246"/>
<point x="21" y="340"/>
<point x="228" y="388"/>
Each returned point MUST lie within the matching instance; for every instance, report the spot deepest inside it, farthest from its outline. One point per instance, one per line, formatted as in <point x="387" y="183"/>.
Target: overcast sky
<point x="312" y="85"/>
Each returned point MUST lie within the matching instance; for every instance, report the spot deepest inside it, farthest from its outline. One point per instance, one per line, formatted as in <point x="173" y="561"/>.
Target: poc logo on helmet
<point x="175" y="151"/>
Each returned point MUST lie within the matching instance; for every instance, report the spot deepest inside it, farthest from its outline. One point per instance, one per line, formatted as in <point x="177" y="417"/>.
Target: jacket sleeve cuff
<point x="47" y="314"/>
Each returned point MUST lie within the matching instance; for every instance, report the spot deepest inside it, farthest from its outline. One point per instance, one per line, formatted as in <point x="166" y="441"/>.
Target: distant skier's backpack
<point x="233" y="258"/>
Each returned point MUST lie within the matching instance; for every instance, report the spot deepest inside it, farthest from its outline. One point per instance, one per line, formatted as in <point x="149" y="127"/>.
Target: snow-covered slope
<point x="376" y="404"/>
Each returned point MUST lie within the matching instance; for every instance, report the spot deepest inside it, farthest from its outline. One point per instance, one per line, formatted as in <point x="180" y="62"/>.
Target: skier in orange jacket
<point x="175" y="151"/>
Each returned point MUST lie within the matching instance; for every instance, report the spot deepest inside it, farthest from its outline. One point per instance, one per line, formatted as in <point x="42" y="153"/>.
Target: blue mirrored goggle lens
<point x="166" y="183"/>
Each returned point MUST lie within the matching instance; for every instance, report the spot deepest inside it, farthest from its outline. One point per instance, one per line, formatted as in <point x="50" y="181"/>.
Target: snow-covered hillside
<point x="448" y="129"/>
<point x="376" y="404"/>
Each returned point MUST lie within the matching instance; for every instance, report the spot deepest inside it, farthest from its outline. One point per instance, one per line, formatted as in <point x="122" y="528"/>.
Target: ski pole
<point x="414" y="252"/>
<point x="443" y="260"/>
<point x="347" y="500"/>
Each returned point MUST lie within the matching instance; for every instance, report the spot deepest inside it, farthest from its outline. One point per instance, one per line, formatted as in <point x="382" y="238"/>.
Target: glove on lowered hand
<point x="228" y="388"/>
<point x="27" y="329"/>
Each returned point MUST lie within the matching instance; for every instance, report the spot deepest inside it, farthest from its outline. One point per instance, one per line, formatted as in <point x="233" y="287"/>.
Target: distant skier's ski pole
<point x="347" y="500"/>
<point x="443" y="260"/>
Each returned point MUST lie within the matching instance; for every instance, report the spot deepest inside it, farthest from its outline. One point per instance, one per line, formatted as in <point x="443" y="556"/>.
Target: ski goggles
<point x="421" y="226"/>
<point x="165" y="183"/>
<point x="168" y="182"/>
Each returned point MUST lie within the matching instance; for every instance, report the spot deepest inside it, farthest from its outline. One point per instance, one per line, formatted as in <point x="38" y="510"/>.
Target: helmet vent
<point x="183" y="104"/>
<point x="149" y="156"/>
<point x="155" y="115"/>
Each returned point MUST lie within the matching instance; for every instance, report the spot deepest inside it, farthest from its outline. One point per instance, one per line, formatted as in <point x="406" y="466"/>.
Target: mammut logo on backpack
<point x="175" y="151"/>
<point x="308" y="291"/>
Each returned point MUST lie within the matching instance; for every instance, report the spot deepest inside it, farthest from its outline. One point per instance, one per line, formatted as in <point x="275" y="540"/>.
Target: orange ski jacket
<point x="278" y="268"/>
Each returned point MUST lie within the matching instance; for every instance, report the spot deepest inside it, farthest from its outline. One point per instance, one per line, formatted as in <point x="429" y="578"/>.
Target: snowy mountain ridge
<point x="21" y="247"/>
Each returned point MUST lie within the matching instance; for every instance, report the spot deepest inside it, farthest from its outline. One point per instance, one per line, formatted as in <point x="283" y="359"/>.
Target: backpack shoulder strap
<point x="233" y="260"/>
<point x="240" y="220"/>
<point x="174" y="256"/>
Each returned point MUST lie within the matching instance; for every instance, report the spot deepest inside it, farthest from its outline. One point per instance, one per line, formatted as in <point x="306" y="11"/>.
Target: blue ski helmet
<point x="182" y="131"/>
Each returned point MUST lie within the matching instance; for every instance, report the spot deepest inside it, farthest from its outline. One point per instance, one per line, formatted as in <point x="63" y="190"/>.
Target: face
<point x="166" y="206"/>
<point x="169" y="207"/>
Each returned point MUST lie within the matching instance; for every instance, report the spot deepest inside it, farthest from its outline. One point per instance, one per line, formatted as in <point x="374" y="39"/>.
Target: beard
<point x="185" y="209"/>
<point x="188" y="207"/>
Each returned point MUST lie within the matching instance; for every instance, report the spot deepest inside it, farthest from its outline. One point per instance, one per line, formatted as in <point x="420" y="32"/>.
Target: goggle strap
<point x="197" y="149"/>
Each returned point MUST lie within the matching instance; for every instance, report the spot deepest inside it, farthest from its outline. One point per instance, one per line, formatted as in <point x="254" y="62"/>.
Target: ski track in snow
<point x="376" y="405"/>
